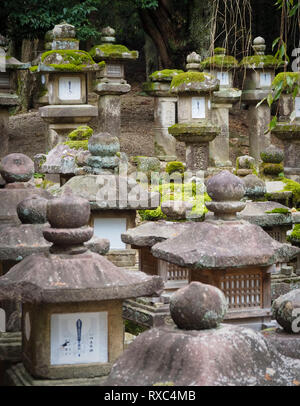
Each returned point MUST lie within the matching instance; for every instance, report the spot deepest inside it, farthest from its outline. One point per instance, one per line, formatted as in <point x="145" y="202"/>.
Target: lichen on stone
<point x="81" y="133"/>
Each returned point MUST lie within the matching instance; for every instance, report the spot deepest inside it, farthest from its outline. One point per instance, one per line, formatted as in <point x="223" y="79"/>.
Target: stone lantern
<point x="114" y="197"/>
<point x="8" y="88"/>
<point x="222" y="67"/>
<point x="288" y="131"/>
<point x="72" y="328"/>
<point x="195" y="127"/>
<point x="260" y="72"/>
<point x="229" y="253"/>
<point x="111" y="83"/>
<point x="67" y="82"/>
<point x="165" y="112"/>
<point x="17" y="171"/>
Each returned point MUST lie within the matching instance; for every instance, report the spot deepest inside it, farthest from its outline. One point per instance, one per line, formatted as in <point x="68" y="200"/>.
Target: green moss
<point x="280" y="210"/>
<point x="265" y="61"/>
<point x="133" y="328"/>
<point x="271" y="169"/>
<point x="220" y="61"/>
<point x="294" y="187"/>
<point x="272" y="157"/>
<point x="111" y="51"/>
<point x="72" y="57"/>
<point x="189" y="77"/>
<point x="69" y="67"/>
<point x="33" y="68"/>
<point x="77" y="144"/>
<point x="102" y="64"/>
<point x="175" y="166"/>
<point x="152" y="215"/>
<point x="295" y="234"/>
<point x="81" y="133"/>
<point x="284" y="78"/>
<point x="165" y="73"/>
<point x="220" y="51"/>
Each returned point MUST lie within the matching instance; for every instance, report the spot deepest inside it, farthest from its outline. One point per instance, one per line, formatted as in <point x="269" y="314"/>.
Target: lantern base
<point x="18" y="376"/>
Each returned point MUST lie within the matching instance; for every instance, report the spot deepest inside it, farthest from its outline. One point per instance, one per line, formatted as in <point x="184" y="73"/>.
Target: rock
<point x="225" y="187"/>
<point x="286" y="310"/>
<point x="104" y="145"/>
<point x="16" y="168"/>
<point x="198" y="306"/>
<point x="272" y="155"/>
<point x="245" y="162"/>
<point x="98" y="245"/>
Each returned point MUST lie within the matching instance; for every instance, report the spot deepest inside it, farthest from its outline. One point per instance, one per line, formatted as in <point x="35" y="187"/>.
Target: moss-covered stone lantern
<point x="111" y="83"/>
<point x="222" y="66"/>
<point x="195" y="127"/>
<point x="8" y="90"/>
<point x="67" y="84"/>
<point x="287" y="128"/>
<point x="229" y="253"/>
<point x="165" y="112"/>
<point x="72" y="325"/>
<point x="260" y="72"/>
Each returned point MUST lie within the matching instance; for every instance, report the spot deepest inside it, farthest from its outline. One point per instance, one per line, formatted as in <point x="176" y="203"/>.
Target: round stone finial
<point x="193" y="58"/>
<point x="33" y="210"/>
<point x="68" y="216"/>
<point x="64" y="30"/>
<point x="259" y="46"/>
<point x="68" y="211"/>
<point x="226" y="191"/>
<point x="198" y="306"/>
<point x="16" y="168"/>
<point x="103" y="148"/>
<point x="272" y="155"/>
<point x="108" y="35"/>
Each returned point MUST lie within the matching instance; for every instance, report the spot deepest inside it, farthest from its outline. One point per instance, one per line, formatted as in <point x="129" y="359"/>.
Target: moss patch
<point x="271" y="169"/>
<point x="81" y="133"/>
<point x="77" y="144"/>
<point x="164" y="74"/>
<point x="220" y="61"/>
<point x="295" y="234"/>
<point x="175" y="166"/>
<point x="69" y="57"/>
<point x="265" y="61"/>
<point x="293" y="187"/>
<point x="280" y="210"/>
<point x="152" y="215"/>
<point x="111" y="51"/>
<point x="189" y="77"/>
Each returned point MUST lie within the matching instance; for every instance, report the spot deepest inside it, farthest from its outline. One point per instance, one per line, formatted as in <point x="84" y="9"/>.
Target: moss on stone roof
<point x="73" y="57"/>
<point x="190" y="77"/>
<point x="220" y="61"/>
<point x="111" y="51"/>
<point x="165" y="73"/>
<point x="263" y="61"/>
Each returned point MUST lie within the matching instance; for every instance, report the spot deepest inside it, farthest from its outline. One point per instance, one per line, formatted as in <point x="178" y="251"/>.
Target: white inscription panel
<point x="198" y="107"/>
<point x="223" y="78"/>
<point x="2" y="321"/>
<point x="265" y="79"/>
<point x="111" y="228"/>
<point x="79" y="338"/>
<point x="297" y="106"/>
<point x="69" y="88"/>
<point x="114" y="70"/>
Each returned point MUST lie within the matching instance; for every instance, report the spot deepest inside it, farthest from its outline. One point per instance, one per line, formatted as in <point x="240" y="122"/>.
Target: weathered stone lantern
<point x="72" y="324"/>
<point x="195" y="127"/>
<point x="229" y="253"/>
<point x="67" y="84"/>
<point x="8" y="88"/>
<point x="153" y="312"/>
<point x="222" y="67"/>
<point x="111" y="83"/>
<point x="165" y="112"/>
<point x="17" y="171"/>
<point x="114" y="198"/>
<point x="288" y="131"/>
<point x="202" y="351"/>
<point x="260" y="72"/>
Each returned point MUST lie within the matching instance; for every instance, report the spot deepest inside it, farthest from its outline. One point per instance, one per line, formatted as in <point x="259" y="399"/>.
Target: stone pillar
<point x="219" y="147"/>
<point x="3" y="132"/>
<point x="109" y="110"/>
<point x="260" y="72"/>
<point x="197" y="156"/>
